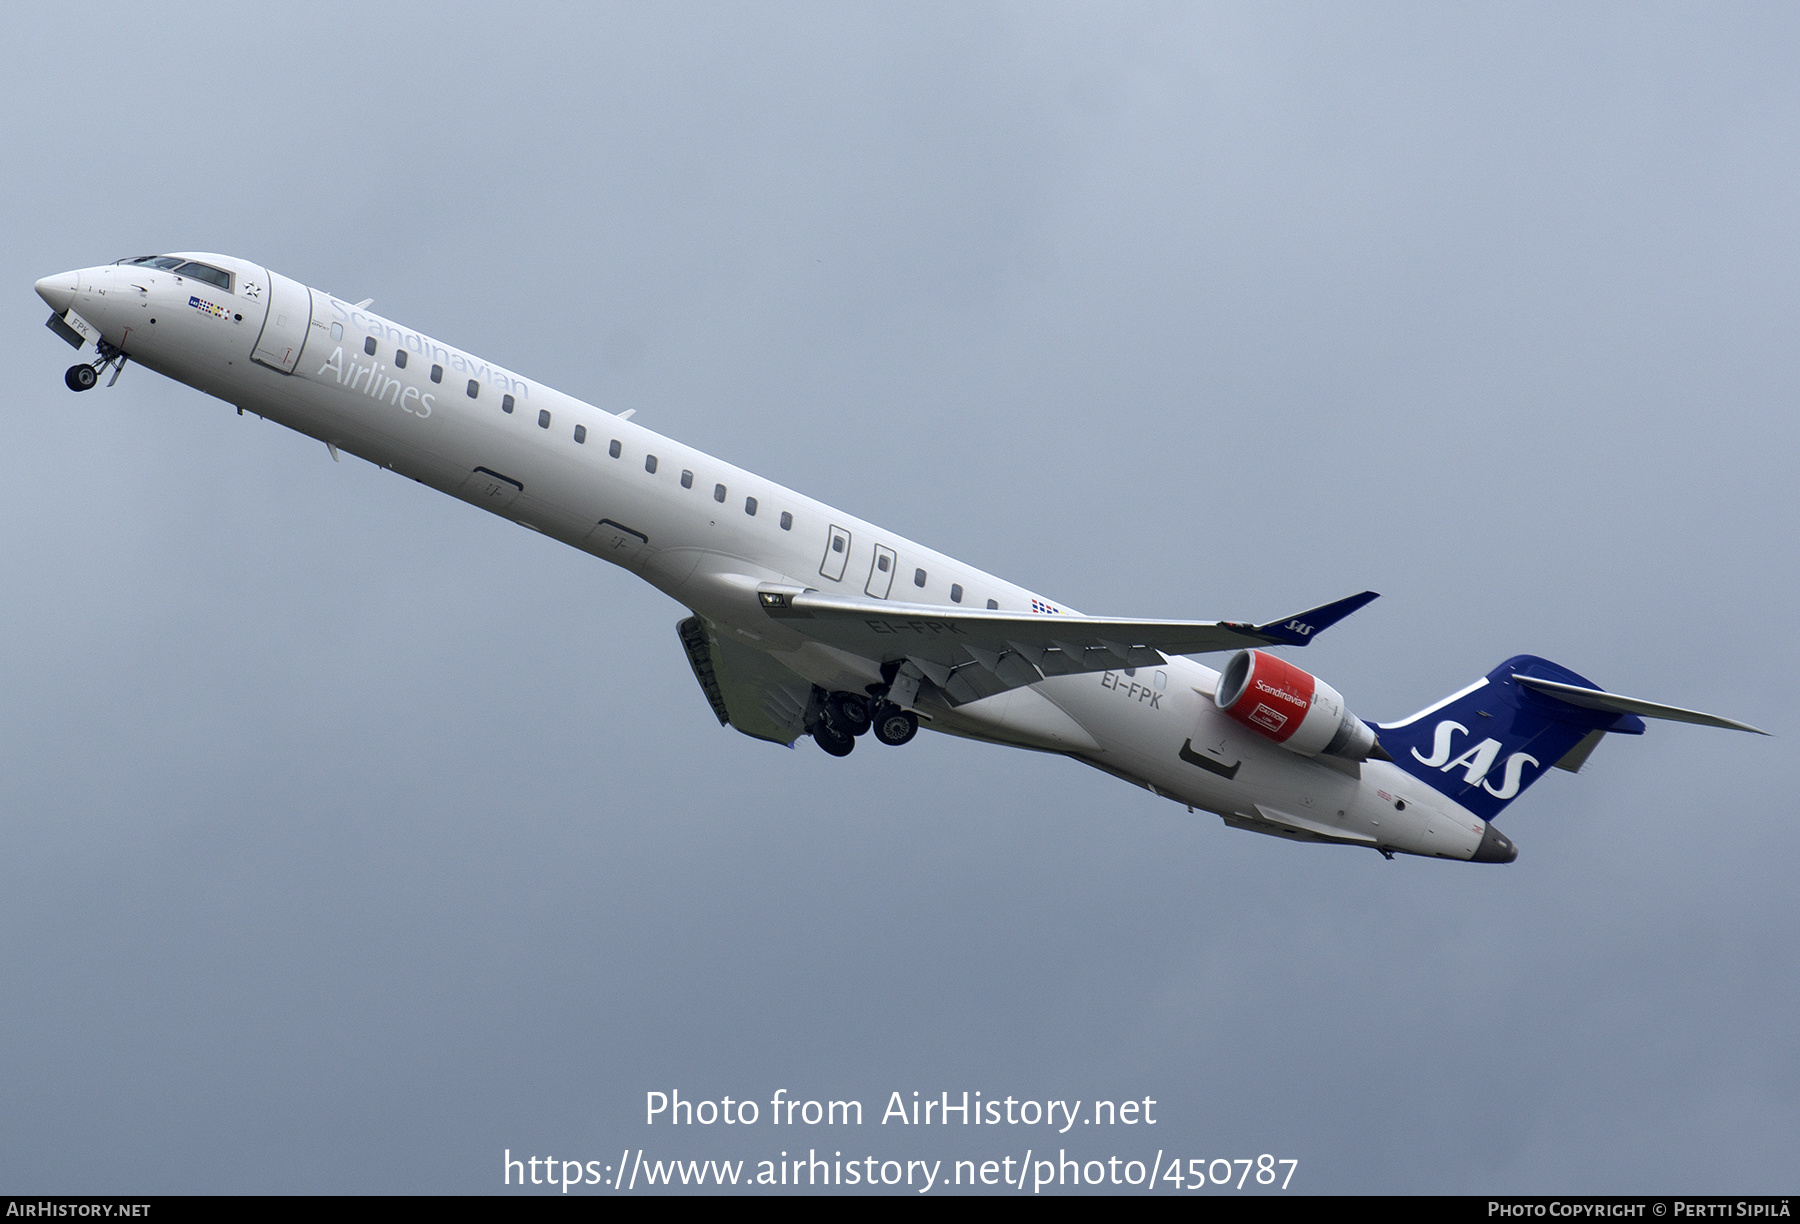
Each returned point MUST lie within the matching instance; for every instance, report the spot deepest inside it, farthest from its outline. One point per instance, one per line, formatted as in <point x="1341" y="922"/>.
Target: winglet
<point x="1298" y="630"/>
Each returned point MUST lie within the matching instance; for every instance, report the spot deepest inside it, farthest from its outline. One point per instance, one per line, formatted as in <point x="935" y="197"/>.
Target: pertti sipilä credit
<point x="965" y="1108"/>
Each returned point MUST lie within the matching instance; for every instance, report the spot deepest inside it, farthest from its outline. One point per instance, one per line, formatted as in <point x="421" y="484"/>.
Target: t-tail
<point x="1483" y="746"/>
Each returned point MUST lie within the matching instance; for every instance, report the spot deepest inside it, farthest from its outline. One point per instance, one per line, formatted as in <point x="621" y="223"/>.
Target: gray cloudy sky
<point x="349" y="836"/>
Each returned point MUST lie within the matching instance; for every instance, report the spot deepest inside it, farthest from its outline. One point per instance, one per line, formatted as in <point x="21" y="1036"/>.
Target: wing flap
<point x="748" y="688"/>
<point x="699" y="654"/>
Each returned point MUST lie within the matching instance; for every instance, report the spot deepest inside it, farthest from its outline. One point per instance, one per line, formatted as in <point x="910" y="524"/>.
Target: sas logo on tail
<point x="1477" y="760"/>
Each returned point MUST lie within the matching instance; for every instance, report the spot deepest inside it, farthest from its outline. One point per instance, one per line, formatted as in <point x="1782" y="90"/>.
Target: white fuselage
<point x="708" y="533"/>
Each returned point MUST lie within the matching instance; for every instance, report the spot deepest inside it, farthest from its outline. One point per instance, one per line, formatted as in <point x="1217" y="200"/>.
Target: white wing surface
<point x="975" y="653"/>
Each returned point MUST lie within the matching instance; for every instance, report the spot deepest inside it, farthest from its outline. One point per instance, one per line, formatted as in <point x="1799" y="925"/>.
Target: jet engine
<point x="1303" y="714"/>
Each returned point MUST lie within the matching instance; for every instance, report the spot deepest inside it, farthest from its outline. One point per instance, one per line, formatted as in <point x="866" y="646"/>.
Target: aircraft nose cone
<point x="1495" y="847"/>
<point x="59" y="290"/>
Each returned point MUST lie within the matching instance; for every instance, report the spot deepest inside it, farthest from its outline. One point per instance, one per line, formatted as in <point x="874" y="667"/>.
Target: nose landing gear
<point x="86" y="376"/>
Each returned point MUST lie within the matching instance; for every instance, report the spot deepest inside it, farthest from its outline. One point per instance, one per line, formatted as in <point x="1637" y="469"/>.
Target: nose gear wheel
<point x="86" y="376"/>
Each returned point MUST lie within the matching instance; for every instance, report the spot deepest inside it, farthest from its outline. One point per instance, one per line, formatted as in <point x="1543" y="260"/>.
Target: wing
<point x="971" y="653"/>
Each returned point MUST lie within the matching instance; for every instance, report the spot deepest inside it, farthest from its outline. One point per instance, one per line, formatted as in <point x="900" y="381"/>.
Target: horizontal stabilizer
<point x="1598" y="699"/>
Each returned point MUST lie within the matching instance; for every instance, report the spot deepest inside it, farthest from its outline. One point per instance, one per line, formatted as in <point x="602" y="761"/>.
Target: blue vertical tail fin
<point x="1484" y="745"/>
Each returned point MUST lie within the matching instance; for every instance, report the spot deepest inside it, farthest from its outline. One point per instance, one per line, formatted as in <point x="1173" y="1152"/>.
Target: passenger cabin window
<point x="613" y="450"/>
<point x="337" y="331"/>
<point x="580" y="431"/>
<point x="400" y="358"/>
<point x="437" y="373"/>
<point x="718" y="493"/>
<point x="787" y="521"/>
<point x="993" y="606"/>
<point x="506" y="403"/>
<point x="474" y="388"/>
<point x="881" y="563"/>
<point x="207" y="273"/>
<point x="687" y="480"/>
<point x="543" y="418"/>
<point x="956" y="592"/>
<point x="750" y="506"/>
<point x="369" y="345"/>
<point x="650" y="464"/>
<point x="918" y="577"/>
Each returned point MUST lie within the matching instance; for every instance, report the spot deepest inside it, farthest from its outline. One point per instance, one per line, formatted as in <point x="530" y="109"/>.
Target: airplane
<point x="806" y="621"/>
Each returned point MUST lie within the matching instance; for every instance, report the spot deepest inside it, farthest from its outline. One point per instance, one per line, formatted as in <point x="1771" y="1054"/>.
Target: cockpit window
<point x="207" y="273"/>
<point x="185" y="267"/>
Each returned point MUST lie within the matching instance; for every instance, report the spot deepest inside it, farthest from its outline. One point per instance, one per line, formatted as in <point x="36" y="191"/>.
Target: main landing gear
<point x="894" y="726"/>
<point x="86" y="376"/>
<point x="843" y="717"/>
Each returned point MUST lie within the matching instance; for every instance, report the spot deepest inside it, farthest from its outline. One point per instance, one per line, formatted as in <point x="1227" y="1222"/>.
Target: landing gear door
<point x="284" y="328"/>
<point x="881" y="573"/>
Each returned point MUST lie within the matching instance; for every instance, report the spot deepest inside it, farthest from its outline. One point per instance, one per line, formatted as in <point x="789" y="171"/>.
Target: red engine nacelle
<point x="1303" y="714"/>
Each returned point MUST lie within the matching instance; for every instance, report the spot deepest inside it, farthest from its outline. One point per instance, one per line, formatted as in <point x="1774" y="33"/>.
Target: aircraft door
<point x="881" y="573"/>
<point x="837" y="554"/>
<point x="284" y="328"/>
